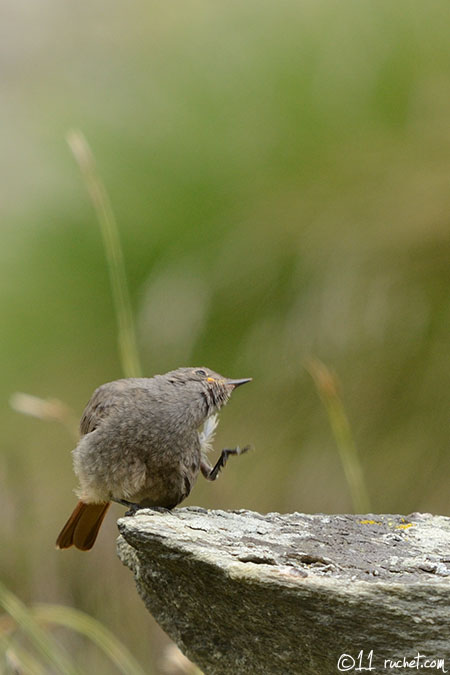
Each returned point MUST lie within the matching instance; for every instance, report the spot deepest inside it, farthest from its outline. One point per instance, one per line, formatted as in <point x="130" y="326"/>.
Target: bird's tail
<point x="83" y="525"/>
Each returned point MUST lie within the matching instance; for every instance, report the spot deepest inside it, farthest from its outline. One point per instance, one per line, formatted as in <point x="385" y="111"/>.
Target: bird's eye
<point x="201" y="372"/>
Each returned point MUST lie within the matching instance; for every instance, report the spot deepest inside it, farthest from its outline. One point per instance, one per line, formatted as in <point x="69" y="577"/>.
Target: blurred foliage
<point x="42" y="654"/>
<point x="279" y="173"/>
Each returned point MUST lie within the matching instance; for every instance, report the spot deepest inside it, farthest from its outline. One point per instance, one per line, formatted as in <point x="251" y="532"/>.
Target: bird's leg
<point x="124" y="502"/>
<point x="211" y="473"/>
<point x="132" y="507"/>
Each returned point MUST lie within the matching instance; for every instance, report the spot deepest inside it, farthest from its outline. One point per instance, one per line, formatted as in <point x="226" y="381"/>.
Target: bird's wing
<point x="103" y="402"/>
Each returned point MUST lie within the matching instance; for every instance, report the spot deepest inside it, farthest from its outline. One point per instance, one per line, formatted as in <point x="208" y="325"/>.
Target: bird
<point x="143" y="443"/>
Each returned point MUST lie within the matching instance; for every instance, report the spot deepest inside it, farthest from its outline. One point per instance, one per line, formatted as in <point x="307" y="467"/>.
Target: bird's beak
<point x="237" y="383"/>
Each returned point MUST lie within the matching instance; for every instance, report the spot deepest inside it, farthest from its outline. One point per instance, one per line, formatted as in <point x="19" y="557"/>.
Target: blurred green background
<point x="280" y="174"/>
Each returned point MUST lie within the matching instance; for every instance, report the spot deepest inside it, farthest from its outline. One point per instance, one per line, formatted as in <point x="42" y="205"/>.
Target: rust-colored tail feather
<point x="83" y="525"/>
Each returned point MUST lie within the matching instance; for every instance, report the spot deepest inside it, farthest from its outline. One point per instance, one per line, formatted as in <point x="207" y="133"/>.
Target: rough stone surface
<point x="240" y="592"/>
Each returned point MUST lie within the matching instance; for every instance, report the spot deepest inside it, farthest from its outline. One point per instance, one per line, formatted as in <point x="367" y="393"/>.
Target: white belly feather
<point x="206" y="435"/>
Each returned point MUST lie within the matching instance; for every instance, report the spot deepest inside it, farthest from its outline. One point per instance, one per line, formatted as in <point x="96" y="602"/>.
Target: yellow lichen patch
<point x="370" y="522"/>
<point x="404" y="527"/>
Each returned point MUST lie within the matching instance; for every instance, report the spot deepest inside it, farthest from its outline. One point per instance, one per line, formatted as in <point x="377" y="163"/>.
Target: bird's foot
<point x="227" y="452"/>
<point x="158" y="509"/>
<point x="132" y="507"/>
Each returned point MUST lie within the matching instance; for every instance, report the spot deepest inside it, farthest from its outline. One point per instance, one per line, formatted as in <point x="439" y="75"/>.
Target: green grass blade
<point x="126" y="334"/>
<point x="45" y="644"/>
<point x="80" y="622"/>
<point x="327" y="386"/>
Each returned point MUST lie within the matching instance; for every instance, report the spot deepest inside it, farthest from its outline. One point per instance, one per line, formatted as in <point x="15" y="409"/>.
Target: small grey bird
<point x="143" y="442"/>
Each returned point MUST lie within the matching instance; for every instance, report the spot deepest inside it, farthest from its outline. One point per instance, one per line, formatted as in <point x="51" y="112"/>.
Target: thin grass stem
<point x="327" y="386"/>
<point x="105" y="215"/>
